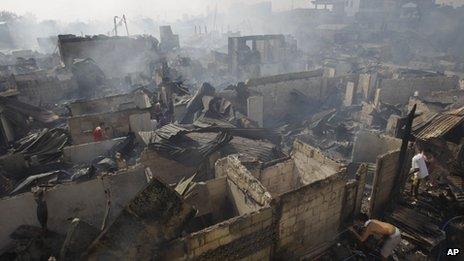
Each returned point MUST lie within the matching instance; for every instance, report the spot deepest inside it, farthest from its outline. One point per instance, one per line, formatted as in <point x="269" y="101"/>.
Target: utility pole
<point x="125" y="23"/>
<point x="115" y="20"/>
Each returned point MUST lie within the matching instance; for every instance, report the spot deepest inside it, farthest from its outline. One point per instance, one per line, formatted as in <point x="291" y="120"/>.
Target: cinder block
<point x="195" y="242"/>
<point x="217" y="233"/>
<point x="252" y="229"/>
<point x="225" y="240"/>
<point x="267" y="223"/>
<point x="210" y="246"/>
<point x="288" y="223"/>
<point x="258" y="218"/>
<point x="286" y="240"/>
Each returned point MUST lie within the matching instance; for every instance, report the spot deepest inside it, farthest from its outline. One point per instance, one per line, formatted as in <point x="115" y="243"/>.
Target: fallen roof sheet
<point x="37" y="113"/>
<point x="264" y="151"/>
<point x="417" y="227"/>
<point x="441" y="124"/>
<point x="188" y="154"/>
<point x="421" y="120"/>
<point x="456" y="185"/>
<point x="47" y="145"/>
<point x="170" y="130"/>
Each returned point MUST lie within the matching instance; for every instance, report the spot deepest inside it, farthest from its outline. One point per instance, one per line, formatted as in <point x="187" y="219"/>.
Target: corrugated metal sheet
<point x="170" y="130"/>
<point x="441" y="124"/>
<point x="173" y="138"/>
<point x="422" y="120"/>
<point x="262" y="150"/>
<point x="419" y="228"/>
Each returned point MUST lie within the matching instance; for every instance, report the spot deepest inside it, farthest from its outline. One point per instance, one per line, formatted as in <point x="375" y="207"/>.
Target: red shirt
<point x="98" y="134"/>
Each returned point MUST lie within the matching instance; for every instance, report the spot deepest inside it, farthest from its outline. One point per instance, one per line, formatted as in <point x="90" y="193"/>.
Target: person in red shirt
<point x="98" y="132"/>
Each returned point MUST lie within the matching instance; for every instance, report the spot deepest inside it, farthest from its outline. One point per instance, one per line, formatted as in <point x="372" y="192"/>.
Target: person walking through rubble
<point x="373" y="227"/>
<point x="418" y="170"/>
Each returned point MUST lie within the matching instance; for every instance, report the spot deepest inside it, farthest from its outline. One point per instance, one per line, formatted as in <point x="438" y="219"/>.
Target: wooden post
<point x="400" y="178"/>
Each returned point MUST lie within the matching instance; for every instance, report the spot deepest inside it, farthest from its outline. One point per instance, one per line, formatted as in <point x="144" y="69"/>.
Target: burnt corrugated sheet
<point x="441" y="124"/>
<point x="191" y="154"/>
<point x="456" y="185"/>
<point x="262" y="150"/>
<point x="204" y="122"/>
<point x="39" y="114"/>
<point x="420" y="121"/>
<point x="417" y="227"/>
<point x="170" y="130"/>
<point x="181" y="142"/>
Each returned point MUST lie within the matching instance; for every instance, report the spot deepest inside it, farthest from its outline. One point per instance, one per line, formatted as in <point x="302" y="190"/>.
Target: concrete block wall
<point x="255" y="109"/>
<point x="276" y="95"/>
<point x="105" y="104"/>
<point x="350" y="94"/>
<point x="368" y="145"/>
<point x="384" y="179"/>
<point x="37" y="88"/>
<point x="364" y="116"/>
<point x="361" y="178"/>
<point x="310" y="217"/>
<point x="170" y="171"/>
<point x="81" y="127"/>
<point x="199" y="198"/>
<point x="248" y="237"/>
<point x="311" y="164"/>
<point x="85" y="153"/>
<point x="241" y="201"/>
<point x="85" y="200"/>
<point x="279" y="178"/>
<point x="349" y="201"/>
<point x="116" y="56"/>
<point x="210" y="197"/>
<point x="367" y="83"/>
<point x="364" y="84"/>
<point x="398" y="91"/>
<point x="297" y="223"/>
<point x="235" y="172"/>
<point x="217" y="194"/>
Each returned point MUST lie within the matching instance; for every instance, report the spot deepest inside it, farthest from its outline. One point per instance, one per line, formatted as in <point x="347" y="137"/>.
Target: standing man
<point x="418" y="170"/>
<point x="99" y="132"/>
<point x="390" y="233"/>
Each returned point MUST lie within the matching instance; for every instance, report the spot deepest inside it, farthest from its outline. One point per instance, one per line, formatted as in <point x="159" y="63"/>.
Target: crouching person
<point x="390" y="233"/>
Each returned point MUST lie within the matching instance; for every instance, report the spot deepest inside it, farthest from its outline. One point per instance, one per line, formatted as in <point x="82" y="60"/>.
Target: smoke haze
<point x="83" y="10"/>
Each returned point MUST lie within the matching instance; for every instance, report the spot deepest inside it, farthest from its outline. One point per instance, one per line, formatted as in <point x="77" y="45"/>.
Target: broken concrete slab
<point x="80" y="235"/>
<point x="154" y="216"/>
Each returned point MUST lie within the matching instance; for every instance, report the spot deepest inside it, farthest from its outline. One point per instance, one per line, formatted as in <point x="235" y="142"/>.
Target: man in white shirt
<point x="418" y="170"/>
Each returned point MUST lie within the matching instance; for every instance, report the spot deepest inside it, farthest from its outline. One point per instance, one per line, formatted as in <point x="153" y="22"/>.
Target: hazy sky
<point x="72" y="10"/>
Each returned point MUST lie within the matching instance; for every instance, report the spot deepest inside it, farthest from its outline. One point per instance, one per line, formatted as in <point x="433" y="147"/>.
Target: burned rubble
<point x="265" y="143"/>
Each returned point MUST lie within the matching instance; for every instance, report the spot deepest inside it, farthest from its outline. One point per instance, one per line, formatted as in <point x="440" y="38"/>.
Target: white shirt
<point x="418" y="162"/>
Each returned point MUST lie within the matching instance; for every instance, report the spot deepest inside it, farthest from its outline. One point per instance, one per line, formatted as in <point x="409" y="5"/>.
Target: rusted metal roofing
<point x="170" y="130"/>
<point x="441" y="124"/>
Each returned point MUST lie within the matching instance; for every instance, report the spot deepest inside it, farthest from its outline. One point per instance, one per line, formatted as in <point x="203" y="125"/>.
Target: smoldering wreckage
<point x="151" y="156"/>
